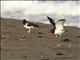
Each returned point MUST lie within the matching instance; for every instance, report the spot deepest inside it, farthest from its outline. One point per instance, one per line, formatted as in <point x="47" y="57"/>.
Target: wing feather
<point x="52" y="22"/>
<point x="60" y="23"/>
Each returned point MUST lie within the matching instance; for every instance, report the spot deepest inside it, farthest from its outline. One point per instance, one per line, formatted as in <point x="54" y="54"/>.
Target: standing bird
<point x="29" y="25"/>
<point x="58" y="28"/>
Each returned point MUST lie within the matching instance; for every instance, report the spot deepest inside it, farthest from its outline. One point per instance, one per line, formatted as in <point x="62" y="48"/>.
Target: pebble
<point x="59" y="54"/>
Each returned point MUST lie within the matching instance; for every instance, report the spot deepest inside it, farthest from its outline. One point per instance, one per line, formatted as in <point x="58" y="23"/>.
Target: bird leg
<point x="57" y="35"/>
<point x="29" y="31"/>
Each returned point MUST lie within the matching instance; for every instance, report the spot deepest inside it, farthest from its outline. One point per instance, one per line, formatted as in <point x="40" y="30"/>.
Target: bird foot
<point x="57" y="35"/>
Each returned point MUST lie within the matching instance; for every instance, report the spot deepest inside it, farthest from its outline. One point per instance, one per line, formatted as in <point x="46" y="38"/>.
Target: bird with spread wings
<point x="58" y="27"/>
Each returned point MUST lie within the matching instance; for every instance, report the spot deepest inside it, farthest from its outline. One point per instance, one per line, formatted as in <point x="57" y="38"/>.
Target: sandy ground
<point x="37" y="46"/>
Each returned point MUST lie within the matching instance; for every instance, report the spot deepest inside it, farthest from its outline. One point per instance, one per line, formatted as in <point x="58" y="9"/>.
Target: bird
<point x="29" y="25"/>
<point x="58" y="28"/>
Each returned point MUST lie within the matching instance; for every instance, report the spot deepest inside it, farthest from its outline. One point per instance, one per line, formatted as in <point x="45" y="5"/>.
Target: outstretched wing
<point x="60" y="23"/>
<point x="53" y="24"/>
<point x="51" y="21"/>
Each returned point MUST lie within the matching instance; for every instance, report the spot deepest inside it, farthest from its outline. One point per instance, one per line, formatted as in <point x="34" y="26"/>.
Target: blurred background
<point x="36" y="10"/>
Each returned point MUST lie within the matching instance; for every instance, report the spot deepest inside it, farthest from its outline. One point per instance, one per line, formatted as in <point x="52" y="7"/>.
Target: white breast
<point x="28" y="26"/>
<point x="58" y="31"/>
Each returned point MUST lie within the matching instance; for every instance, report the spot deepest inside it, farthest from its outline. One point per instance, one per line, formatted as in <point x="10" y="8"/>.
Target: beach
<point x="17" y="44"/>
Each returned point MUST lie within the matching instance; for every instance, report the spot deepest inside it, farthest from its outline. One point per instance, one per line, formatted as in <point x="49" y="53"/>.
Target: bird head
<point x="24" y="21"/>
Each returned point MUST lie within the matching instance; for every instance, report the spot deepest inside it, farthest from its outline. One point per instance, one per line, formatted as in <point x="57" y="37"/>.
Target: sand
<point x="17" y="44"/>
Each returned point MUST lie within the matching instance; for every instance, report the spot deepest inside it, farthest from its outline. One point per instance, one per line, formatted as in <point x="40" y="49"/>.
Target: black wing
<point x="32" y="24"/>
<point x="51" y="21"/>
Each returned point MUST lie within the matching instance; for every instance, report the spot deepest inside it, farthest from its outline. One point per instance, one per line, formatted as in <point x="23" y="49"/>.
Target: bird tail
<point x="36" y="26"/>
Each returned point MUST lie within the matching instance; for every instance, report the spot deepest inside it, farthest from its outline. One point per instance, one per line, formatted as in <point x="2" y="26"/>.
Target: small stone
<point x="59" y="54"/>
<point x="66" y="40"/>
<point x="40" y="33"/>
<point x="41" y="56"/>
<point x="69" y="45"/>
<point x="58" y="45"/>
<point x="45" y="59"/>
<point x="78" y="36"/>
<point x="40" y="36"/>
<point x="24" y="57"/>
